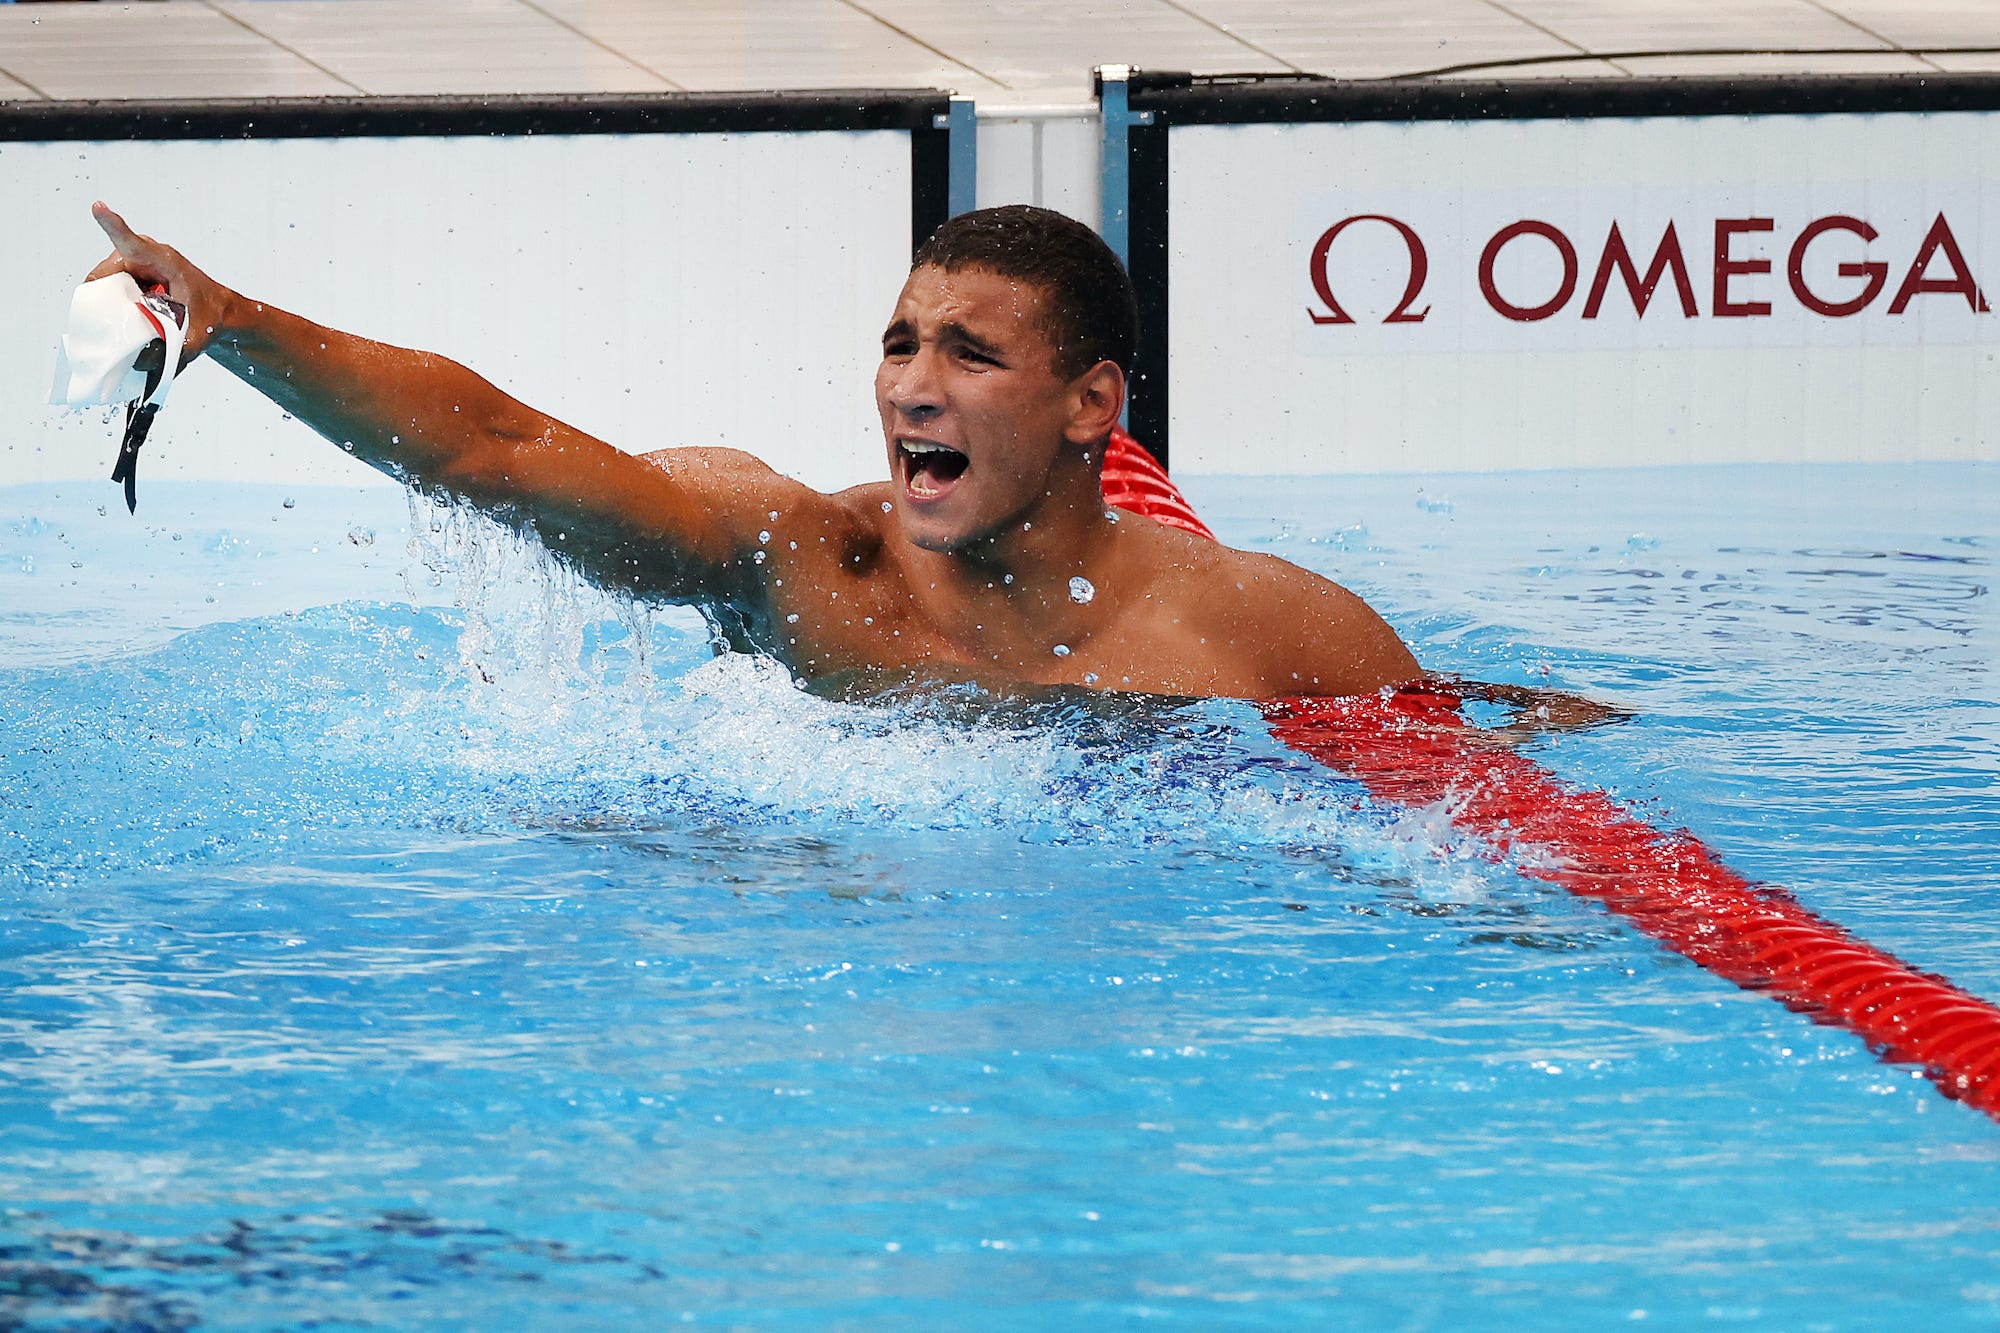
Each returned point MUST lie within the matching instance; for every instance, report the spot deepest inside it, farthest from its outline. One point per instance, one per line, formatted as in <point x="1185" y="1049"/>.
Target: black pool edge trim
<point x="388" y="117"/>
<point x="1147" y="239"/>
<point x="930" y="182"/>
<point x="1237" y="99"/>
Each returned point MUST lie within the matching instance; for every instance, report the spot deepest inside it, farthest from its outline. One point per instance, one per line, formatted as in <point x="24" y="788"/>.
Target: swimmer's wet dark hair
<point x="1093" y="315"/>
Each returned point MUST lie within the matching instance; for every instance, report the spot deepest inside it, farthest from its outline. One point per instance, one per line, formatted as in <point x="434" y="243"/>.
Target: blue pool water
<point x="397" y="934"/>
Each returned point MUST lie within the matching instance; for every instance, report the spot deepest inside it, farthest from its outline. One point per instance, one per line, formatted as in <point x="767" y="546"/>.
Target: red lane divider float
<point x="1412" y="748"/>
<point x="1135" y="481"/>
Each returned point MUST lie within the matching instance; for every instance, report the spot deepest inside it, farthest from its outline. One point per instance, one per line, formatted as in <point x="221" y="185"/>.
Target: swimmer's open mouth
<point x="929" y="469"/>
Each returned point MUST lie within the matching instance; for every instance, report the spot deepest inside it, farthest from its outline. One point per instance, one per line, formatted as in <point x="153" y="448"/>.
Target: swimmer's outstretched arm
<point x="1537" y="709"/>
<point x="682" y="531"/>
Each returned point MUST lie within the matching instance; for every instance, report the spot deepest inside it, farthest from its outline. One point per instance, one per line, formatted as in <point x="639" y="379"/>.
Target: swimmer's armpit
<point x="1535" y="710"/>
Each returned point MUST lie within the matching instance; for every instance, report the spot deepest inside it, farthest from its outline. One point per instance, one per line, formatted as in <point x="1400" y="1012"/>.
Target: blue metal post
<point x="1115" y="164"/>
<point x="962" y="125"/>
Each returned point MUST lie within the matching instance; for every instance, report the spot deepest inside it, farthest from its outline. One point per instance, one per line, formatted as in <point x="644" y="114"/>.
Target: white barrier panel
<point x="1049" y="157"/>
<point x="652" y="289"/>
<point x="1449" y="295"/>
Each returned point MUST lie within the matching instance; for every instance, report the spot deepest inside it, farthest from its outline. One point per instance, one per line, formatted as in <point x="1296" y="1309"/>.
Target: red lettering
<point x="1667" y="256"/>
<point x="1419" y="269"/>
<point x="1527" y="314"/>
<point x="1727" y="268"/>
<point x="1875" y="271"/>
<point x="1938" y="238"/>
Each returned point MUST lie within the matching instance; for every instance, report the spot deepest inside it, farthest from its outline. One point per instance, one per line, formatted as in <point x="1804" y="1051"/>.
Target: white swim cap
<point x="111" y="322"/>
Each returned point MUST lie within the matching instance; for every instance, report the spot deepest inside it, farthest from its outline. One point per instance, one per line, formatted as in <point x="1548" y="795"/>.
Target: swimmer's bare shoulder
<point x="753" y="508"/>
<point x="1262" y="627"/>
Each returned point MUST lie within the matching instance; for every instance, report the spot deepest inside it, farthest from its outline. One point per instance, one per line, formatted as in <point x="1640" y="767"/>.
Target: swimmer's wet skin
<point x="1001" y="379"/>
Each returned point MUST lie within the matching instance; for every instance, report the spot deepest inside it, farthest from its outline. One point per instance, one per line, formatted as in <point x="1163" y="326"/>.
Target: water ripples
<point x="482" y="951"/>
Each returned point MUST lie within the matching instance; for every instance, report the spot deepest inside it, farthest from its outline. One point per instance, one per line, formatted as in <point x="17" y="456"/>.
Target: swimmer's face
<point x="974" y="413"/>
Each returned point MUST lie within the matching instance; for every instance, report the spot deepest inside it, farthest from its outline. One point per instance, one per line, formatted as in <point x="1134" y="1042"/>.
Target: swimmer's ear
<point x="1098" y="396"/>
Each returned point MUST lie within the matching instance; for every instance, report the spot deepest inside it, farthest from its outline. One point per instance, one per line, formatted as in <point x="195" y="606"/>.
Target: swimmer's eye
<point x="899" y="347"/>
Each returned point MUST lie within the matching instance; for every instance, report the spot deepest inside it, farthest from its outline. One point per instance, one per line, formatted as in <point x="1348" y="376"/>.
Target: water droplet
<point x="772" y="515"/>
<point x="290" y="503"/>
<point x="1008" y="579"/>
<point x="361" y="536"/>
<point x="1081" y="589"/>
<point x="792" y="619"/>
<point x="763" y="537"/>
<point x="1062" y="650"/>
<point x="1111" y="516"/>
<point x="759" y="557"/>
<point x="1090" y="677"/>
<point x="887" y="507"/>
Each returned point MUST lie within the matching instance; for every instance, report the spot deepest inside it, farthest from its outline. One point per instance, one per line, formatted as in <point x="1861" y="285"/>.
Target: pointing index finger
<point x="123" y="239"/>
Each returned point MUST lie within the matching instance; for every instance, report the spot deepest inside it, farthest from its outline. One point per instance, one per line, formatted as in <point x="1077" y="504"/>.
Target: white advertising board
<point x="654" y="290"/>
<point x="1508" y="294"/>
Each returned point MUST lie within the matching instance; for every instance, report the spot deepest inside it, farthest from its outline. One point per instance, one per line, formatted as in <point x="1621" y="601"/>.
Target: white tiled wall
<point x="444" y="46"/>
<point x="1005" y="53"/>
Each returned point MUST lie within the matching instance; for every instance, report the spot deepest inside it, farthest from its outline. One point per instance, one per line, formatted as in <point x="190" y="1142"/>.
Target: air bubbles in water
<point x="1081" y="589"/>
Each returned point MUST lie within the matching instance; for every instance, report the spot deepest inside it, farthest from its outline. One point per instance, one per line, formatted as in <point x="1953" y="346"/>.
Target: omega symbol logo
<point x="1420" y="267"/>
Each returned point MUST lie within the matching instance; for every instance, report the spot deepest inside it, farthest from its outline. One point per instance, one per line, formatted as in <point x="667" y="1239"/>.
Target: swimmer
<point x="989" y="554"/>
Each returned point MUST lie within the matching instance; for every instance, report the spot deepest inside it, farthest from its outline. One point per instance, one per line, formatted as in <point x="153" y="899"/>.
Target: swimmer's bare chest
<point x="845" y="608"/>
<point x="872" y="633"/>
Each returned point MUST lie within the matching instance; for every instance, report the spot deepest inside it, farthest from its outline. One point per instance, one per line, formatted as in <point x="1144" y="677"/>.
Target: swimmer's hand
<point x="152" y="264"/>
<point x="1535" y="710"/>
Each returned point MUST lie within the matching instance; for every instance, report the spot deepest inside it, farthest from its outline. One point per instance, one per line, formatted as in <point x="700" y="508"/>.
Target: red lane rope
<point x="1412" y="748"/>
<point x="1134" y="481"/>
